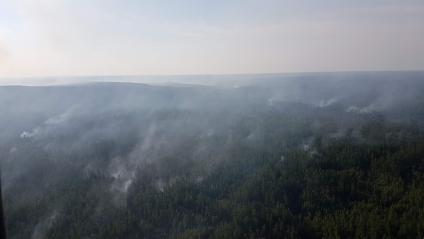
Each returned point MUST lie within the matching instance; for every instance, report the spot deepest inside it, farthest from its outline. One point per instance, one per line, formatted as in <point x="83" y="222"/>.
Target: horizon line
<point x="212" y="74"/>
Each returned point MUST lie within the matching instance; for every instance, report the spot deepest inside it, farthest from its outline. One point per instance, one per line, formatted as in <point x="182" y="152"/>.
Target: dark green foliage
<point x="306" y="159"/>
<point x="344" y="190"/>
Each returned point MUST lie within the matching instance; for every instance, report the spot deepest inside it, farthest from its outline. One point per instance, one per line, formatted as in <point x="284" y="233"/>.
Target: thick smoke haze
<point x="225" y="119"/>
<point x="109" y="140"/>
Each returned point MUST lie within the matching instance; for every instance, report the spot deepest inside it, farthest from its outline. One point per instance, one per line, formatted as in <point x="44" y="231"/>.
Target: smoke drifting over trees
<point x="241" y="157"/>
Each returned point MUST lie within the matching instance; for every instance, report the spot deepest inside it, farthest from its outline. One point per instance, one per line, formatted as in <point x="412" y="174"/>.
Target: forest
<point x="330" y="155"/>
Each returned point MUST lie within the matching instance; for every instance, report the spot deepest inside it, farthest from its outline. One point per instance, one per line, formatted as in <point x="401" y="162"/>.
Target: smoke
<point x="122" y="173"/>
<point x="327" y="103"/>
<point x="43" y="226"/>
<point x="30" y="134"/>
<point x="364" y="110"/>
<point x="111" y="139"/>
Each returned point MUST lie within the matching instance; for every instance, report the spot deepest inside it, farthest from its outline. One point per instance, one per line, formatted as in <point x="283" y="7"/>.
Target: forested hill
<point x="304" y="156"/>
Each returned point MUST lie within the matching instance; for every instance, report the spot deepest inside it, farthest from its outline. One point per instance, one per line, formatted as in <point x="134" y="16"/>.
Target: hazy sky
<point x="114" y="37"/>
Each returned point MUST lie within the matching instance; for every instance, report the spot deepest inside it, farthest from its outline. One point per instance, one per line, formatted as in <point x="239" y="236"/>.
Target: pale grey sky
<point x="149" y="37"/>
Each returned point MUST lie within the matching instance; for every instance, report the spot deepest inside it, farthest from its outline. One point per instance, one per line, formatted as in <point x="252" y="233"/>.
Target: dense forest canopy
<point x="325" y="155"/>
